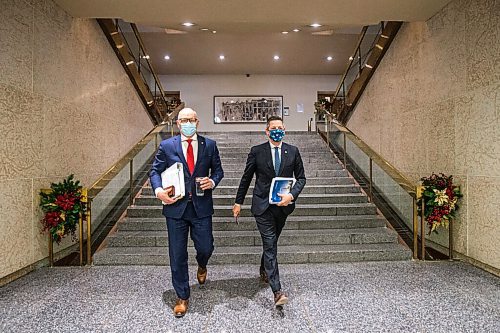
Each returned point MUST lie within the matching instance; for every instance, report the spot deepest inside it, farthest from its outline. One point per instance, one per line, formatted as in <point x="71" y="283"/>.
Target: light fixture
<point x="296" y="30"/>
<point x="167" y="57"/>
<point x="214" y="31"/>
<point x="315" y="25"/>
<point x="369" y="66"/>
<point x="222" y="57"/>
<point x="351" y="58"/>
<point x="378" y="46"/>
<point x="145" y="56"/>
<point x="284" y="32"/>
<point x="329" y="58"/>
<point x="276" y="57"/>
<point x="188" y="24"/>
<point x="204" y="29"/>
<point x="384" y="36"/>
<point x="130" y="62"/>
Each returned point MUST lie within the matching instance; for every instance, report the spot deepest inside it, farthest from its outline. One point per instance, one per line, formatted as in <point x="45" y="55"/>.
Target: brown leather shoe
<point x="181" y="307"/>
<point x="263" y="276"/>
<point x="201" y="275"/>
<point x="280" y="298"/>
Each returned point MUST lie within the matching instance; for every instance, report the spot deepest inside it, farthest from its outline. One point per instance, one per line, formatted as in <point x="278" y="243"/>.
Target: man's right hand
<point x="236" y="210"/>
<point x="165" y="197"/>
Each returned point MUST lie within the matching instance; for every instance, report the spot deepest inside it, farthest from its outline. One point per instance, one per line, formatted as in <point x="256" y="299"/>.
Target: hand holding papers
<point x="280" y="185"/>
<point x="172" y="179"/>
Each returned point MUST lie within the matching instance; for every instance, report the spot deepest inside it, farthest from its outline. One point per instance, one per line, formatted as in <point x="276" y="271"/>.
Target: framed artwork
<point x="246" y="109"/>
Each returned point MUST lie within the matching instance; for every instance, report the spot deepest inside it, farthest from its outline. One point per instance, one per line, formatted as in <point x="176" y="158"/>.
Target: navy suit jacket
<point x="260" y="163"/>
<point x="208" y="164"/>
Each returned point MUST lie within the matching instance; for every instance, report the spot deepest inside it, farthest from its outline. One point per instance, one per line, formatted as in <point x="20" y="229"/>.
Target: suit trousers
<point x="270" y="225"/>
<point x="201" y="234"/>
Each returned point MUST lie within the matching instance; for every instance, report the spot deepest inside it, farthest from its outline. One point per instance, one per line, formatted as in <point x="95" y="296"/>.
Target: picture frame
<point x="230" y="109"/>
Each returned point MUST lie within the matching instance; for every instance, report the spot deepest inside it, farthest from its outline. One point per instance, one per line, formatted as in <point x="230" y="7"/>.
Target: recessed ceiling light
<point x="145" y="56"/>
<point x="296" y="30"/>
<point x="222" y="57"/>
<point x="167" y="57"/>
<point x="204" y="29"/>
<point x="351" y="58"/>
<point x="276" y="57"/>
<point x="329" y="58"/>
<point x="188" y="24"/>
<point x="214" y="31"/>
<point x="284" y="32"/>
<point x="315" y="25"/>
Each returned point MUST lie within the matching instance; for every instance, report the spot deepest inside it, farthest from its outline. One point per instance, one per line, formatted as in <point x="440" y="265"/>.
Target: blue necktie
<point x="277" y="161"/>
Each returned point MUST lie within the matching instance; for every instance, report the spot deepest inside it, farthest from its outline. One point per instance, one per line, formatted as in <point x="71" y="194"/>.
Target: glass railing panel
<point x="109" y="196"/>
<point x="397" y="197"/>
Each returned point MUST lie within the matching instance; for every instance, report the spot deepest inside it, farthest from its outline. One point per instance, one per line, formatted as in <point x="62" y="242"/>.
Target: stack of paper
<point x="174" y="176"/>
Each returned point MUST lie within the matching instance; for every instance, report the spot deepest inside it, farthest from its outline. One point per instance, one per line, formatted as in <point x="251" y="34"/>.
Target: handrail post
<point x="131" y="181"/>
<point x="422" y="232"/>
<point x="327" y="123"/>
<point x="371" y="179"/>
<point x="172" y="127"/>
<point x="345" y="151"/>
<point x="89" y="234"/>
<point x="415" y="228"/>
<point x="51" y="251"/>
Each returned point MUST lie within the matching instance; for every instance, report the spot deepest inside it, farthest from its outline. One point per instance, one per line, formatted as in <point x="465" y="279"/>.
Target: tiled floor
<point x="343" y="297"/>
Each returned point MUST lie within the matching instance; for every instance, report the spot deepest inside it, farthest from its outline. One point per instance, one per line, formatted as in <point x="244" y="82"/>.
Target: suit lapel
<point x="284" y="157"/>
<point x="178" y="150"/>
<point x="201" y="151"/>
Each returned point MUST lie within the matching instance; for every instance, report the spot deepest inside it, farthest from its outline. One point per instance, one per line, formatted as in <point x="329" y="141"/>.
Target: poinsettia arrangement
<point x="440" y="198"/>
<point x="62" y="206"/>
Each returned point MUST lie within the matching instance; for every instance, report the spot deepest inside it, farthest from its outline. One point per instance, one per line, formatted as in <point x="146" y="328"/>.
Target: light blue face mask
<point x="188" y="129"/>
<point x="276" y="134"/>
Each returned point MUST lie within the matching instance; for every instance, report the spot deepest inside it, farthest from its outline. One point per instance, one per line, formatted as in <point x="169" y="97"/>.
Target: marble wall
<point x="433" y="105"/>
<point x="66" y="106"/>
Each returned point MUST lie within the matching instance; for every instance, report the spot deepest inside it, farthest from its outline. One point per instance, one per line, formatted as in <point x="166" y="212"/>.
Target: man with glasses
<point x="268" y="160"/>
<point x="192" y="213"/>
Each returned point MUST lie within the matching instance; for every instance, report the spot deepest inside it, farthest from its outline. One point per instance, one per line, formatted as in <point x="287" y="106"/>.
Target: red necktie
<point x="190" y="157"/>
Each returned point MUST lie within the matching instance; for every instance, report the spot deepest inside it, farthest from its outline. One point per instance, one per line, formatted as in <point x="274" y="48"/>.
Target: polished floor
<point x="344" y="297"/>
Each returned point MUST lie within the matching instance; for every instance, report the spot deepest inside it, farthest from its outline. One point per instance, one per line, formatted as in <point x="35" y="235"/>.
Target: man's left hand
<point x="286" y="199"/>
<point x="206" y="184"/>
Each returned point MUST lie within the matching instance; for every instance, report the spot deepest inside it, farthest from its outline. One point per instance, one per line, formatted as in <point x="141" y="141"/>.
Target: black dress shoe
<point x="263" y="276"/>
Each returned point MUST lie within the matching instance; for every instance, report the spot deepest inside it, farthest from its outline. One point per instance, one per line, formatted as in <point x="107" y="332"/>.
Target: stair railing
<point x="373" y="42"/>
<point x="386" y="186"/>
<point x="116" y="188"/>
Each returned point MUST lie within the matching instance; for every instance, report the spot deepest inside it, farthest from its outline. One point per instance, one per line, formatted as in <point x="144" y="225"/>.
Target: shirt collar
<point x="184" y="138"/>
<point x="273" y="146"/>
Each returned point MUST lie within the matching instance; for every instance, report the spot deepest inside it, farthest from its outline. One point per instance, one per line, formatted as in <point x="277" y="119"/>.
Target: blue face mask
<point x="188" y="129"/>
<point x="276" y="134"/>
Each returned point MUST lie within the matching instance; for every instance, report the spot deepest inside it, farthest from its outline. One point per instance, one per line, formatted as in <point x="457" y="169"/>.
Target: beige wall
<point x="433" y="105"/>
<point x="198" y="92"/>
<point x="66" y="106"/>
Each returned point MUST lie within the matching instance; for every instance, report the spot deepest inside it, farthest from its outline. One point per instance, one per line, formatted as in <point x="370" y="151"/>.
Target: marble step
<point x="327" y="181"/>
<point x="253" y="238"/>
<point x="300" y="210"/>
<point x="309" y="173"/>
<point x="228" y="199"/>
<point x="287" y="254"/>
<point x="248" y="223"/>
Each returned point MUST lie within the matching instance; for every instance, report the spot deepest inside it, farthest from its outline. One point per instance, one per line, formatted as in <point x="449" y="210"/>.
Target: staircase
<point x="333" y="220"/>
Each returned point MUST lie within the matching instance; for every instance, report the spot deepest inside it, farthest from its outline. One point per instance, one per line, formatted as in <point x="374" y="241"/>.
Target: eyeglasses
<point x="188" y="120"/>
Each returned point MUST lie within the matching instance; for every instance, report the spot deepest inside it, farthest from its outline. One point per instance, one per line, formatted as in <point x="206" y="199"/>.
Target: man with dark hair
<point x="268" y="160"/>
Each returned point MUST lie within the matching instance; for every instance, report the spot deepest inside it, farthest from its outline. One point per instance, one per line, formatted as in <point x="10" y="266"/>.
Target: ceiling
<point x="249" y="33"/>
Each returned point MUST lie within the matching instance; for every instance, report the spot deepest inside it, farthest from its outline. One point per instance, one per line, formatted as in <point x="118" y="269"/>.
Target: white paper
<point x="300" y="107"/>
<point x="282" y="185"/>
<point x="174" y="176"/>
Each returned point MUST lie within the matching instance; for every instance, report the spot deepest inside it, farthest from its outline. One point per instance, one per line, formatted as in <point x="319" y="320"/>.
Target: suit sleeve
<point x="299" y="176"/>
<point x="246" y="179"/>
<point x="216" y="171"/>
<point x="159" y="165"/>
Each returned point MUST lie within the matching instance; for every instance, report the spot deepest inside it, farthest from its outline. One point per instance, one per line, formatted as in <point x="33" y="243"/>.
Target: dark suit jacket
<point x="208" y="164"/>
<point x="260" y="163"/>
